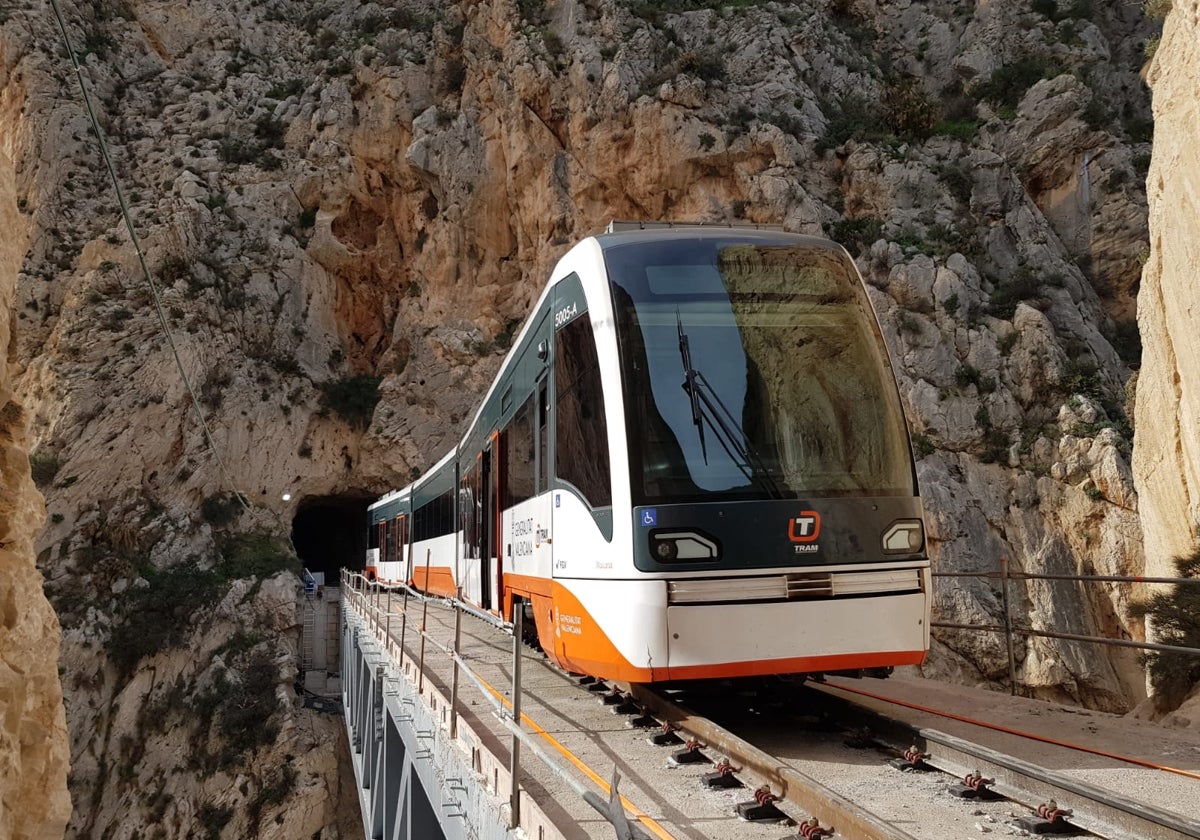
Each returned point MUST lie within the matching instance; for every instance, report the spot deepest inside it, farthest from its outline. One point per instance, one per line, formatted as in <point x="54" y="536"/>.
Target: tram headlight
<point x="665" y="550"/>
<point x="904" y="536"/>
<point x="692" y="546"/>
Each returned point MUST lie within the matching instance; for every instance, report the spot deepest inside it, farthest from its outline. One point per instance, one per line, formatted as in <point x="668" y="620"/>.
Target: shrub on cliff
<point x="1175" y="616"/>
<point x="353" y="398"/>
<point x="158" y="615"/>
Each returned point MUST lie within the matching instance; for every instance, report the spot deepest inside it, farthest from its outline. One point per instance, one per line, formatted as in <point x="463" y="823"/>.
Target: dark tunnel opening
<point x="330" y="533"/>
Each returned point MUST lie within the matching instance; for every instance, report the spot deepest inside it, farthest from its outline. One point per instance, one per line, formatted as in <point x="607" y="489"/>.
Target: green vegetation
<point x="1175" y="616"/>
<point x="352" y="398"/>
<point x="213" y="818"/>
<point x="970" y="375"/>
<point x="922" y="445"/>
<point x="255" y="554"/>
<point x="856" y="234"/>
<point x="1022" y="284"/>
<point x="222" y="509"/>
<point x="44" y="467"/>
<point x="160" y="613"/>
<point x="907" y="109"/>
<point x="854" y="118"/>
<point x="1010" y="82"/>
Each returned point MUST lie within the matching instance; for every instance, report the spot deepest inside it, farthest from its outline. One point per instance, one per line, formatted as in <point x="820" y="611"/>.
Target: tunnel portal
<point x="330" y="533"/>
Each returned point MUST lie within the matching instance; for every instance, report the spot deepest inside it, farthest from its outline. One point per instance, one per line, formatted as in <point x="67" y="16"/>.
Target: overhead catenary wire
<point x="141" y="257"/>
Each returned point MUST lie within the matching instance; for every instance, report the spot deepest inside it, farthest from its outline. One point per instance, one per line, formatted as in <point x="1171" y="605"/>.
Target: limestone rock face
<point x="1166" y="457"/>
<point x="33" y="732"/>
<point x="334" y="195"/>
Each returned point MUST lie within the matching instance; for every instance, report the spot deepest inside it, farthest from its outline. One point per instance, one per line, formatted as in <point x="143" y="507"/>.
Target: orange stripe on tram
<point x="435" y="580"/>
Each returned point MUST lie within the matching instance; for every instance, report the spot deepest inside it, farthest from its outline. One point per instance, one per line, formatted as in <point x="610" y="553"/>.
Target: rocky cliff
<point x="345" y="200"/>
<point x="33" y="730"/>
<point x="1166" y="459"/>
<point x="1167" y="456"/>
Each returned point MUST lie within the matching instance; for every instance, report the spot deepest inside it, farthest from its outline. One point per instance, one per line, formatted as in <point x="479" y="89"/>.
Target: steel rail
<point x="805" y="792"/>
<point x="1100" y="811"/>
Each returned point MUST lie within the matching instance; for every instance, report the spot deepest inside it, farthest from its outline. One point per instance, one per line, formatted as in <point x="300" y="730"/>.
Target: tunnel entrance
<point x="330" y="533"/>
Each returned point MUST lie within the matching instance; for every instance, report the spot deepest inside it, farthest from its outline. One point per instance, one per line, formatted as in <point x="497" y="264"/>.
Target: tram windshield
<point x="753" y="369"/>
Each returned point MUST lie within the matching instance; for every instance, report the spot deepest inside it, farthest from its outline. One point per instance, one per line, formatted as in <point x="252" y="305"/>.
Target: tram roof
<point x="625" y="233"/>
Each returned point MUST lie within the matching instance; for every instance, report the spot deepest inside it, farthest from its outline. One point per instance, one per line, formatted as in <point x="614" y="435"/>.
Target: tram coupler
<point x="1049" y="819"/>
<point x="810" y="829"/>
<point x="975" y="786"/>
<point x="913" y="760"/>
<point x="723" y="776"/>
<point x="598" y="687"/>
<point x="690" y="754"/>
<point x="667" y="738"/>
<point x="762" y="809"/>
<point x="643" y="721"/>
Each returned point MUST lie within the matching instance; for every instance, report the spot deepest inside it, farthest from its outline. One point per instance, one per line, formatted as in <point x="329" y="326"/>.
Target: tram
<point x="692" y="464"/>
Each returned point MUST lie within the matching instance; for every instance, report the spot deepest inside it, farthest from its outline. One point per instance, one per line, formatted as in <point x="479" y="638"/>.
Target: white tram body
<point x="692" y="464"/>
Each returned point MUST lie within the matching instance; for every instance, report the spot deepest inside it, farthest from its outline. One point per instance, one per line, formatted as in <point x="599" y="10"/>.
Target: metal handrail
<point x="1010" y="629"/>
<point x="611" y="810"/>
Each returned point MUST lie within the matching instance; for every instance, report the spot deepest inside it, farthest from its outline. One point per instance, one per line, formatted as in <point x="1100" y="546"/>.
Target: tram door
<point x="489" y="530"/>
<point x="403" y="555"/>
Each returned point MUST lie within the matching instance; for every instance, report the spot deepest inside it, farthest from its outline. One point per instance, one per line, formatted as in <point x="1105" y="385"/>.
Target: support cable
<point x="133" y="237"/>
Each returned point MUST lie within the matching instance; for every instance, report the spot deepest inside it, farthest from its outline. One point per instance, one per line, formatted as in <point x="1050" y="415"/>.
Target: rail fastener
<point x="627" y="707"/>
<point x="723" y="776"/>
<point x="762" y="809"/>
<point x="975" y="786"/>
<point x="811" y="829"/>
<point x="667" y="737"/>
<point x="642" y="721"/>
<point x="1049" y="819"/>
<point x="913" y="760"/>
<point x="613" y="698"/>
<point x="690" y="754"/>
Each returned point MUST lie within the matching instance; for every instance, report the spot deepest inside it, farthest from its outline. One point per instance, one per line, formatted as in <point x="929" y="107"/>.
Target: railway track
<point x="790" y="738"/>
<point x="1094" y="811"/>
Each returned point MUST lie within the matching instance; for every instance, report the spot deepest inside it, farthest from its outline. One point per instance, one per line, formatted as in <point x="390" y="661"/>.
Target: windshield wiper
<point x="729" y="433"/>
<point x="689" y="383"/>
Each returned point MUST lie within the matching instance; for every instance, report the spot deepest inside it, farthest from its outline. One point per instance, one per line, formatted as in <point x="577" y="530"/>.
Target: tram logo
<point x="805" y="528"/>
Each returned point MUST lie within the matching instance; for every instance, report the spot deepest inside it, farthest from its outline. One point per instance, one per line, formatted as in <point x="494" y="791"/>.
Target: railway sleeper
<point x="667" y="737"/>
<point x="724" y="776"/>
<point x="762" y="808"/>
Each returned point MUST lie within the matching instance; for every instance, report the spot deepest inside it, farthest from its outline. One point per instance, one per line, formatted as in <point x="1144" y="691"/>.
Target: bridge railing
<point x="376" y="604"/>
<point x="1011" y="628"/>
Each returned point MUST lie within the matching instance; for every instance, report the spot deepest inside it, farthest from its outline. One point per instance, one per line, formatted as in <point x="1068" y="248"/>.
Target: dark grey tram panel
<point x="413" y="782"/>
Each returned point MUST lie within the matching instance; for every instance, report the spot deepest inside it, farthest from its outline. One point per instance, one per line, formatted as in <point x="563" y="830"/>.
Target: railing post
<point x="454" y="684"/>
<point x="403" y="627"/>
<point x="514" y="766"/>
<point x="387" y="624"/>
<point x="424" y="626"/>
<point x="1008" y="635"/>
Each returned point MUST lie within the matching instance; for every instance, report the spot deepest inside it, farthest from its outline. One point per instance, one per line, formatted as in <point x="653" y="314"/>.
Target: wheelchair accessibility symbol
<point x="649" y="517"/>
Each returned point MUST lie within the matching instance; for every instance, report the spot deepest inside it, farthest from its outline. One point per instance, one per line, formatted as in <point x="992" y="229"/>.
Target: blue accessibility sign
<point x="649" y="517"/>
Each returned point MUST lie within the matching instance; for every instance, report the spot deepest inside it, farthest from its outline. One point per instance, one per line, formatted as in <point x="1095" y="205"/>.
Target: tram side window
<point x="581" y="431"/>
<point x="389" y="541"/>
<point x="519" y="456"/>
<point x="467" y="513"/>
<point x="543" y="435"/>
<point x="373" y="536"/>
